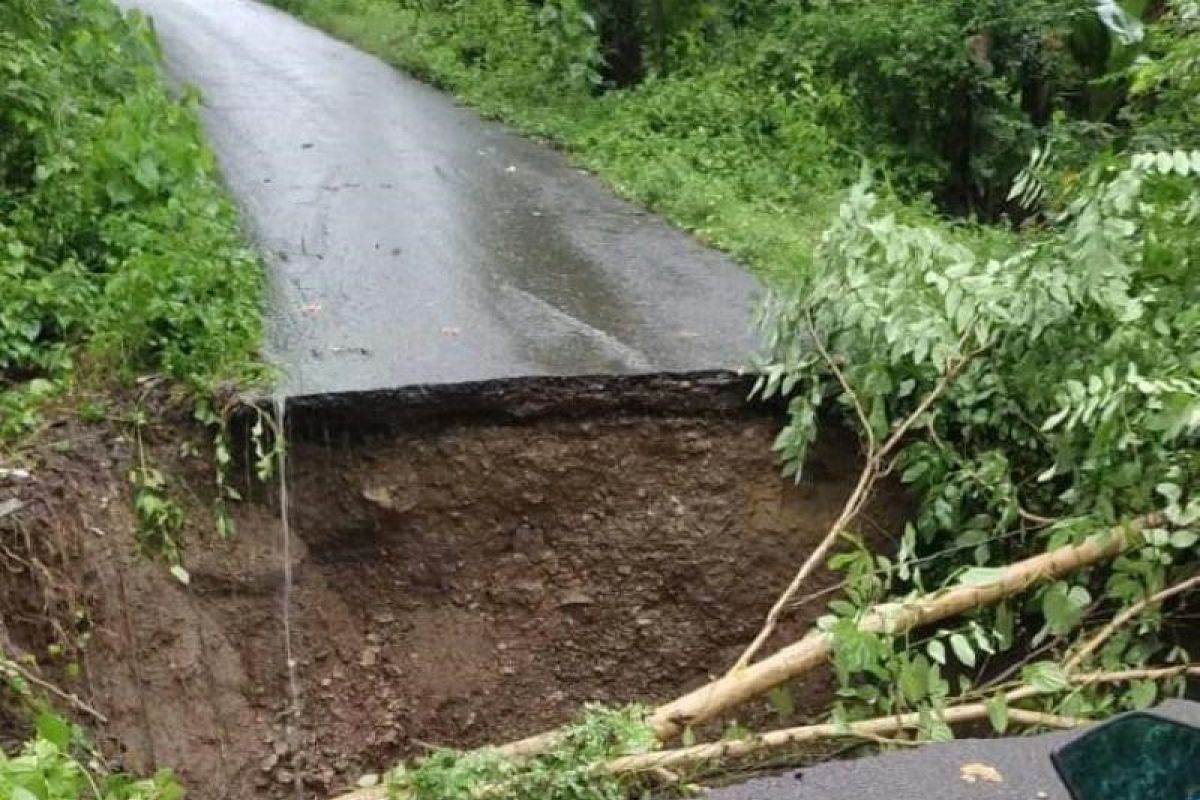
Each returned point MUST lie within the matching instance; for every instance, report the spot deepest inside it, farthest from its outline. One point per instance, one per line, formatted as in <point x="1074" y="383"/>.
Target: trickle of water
<point x="292" y="717"/>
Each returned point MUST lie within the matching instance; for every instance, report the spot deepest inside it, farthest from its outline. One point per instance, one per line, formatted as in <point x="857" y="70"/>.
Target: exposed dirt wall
<point x="459" y="577"/>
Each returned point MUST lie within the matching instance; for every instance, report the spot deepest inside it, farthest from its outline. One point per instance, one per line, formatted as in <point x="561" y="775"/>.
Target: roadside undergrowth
<point x="121" y="258"/>
<point x="124" y="273"/>
<point x="121" y="255"/>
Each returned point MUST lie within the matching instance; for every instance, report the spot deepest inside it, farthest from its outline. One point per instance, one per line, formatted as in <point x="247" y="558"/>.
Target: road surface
<point x="409" y="242"/>
<point x="934" y="771"/>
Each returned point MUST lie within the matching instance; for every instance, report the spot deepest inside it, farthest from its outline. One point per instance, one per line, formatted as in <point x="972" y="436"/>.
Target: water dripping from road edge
<point x="292" y="713"/>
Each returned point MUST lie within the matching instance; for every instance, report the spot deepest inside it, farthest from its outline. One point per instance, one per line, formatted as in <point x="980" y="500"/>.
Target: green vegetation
<point x="977" y="218"/>
<point x="120" y="257"/>
<point x="567" y="772"/>
<point x="119" y="253"/>
<point x="59" y="763"/>
<point x="1053" y="392"/>
<point x="44" y="770"/>
<point x="1050" y="389"/>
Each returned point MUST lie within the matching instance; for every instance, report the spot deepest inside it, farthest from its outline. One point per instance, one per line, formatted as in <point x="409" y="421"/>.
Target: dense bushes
<point x="119" y="256"/>
<point x="117" y="244"/>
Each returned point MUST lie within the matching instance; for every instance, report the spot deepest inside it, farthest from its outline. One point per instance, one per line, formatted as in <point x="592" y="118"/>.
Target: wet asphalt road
<point x="412" y="243"/>
<point x="934" y="771"/>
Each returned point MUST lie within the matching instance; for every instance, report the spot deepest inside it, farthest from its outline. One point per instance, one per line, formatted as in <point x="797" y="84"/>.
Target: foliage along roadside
<point x="120" y="257"/>
<point x="120" y="254"/>
<point x="1058" y="391"/>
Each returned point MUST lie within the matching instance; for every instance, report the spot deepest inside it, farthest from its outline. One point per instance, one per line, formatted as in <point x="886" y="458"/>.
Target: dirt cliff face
<point x="459" y="577"/>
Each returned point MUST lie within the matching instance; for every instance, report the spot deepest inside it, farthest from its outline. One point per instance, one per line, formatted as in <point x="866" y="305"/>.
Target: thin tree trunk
<point x="730" y="691"/>
<point x="757" y="679"/>
<point x="714" y="752"/>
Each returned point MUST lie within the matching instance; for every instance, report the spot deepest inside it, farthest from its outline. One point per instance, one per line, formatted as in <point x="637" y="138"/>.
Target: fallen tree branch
<point x="1121" y="676"/>
<point x="874" y="467"/>
<point x="872" y="729"/>
<point x="790" y="737"/>
<point x="895" y="618"/>
<point x="798" y="658"/>
<point x="1094" y="644"/>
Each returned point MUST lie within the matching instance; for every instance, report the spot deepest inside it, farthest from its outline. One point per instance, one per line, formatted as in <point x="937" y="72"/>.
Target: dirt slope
<point x="457" y="580"/>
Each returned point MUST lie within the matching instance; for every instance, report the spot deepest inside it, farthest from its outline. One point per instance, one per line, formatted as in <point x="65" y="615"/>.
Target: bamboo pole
<point x="1094" y="644"/>
<point x="779" y="739"/>
<point x="790" y="737"/>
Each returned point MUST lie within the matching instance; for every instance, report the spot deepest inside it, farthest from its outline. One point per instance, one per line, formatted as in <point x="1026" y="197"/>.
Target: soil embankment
<point x="467" y="568"/>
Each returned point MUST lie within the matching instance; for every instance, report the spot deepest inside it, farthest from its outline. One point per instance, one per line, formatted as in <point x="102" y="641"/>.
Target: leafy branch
<point x="877" y="463"/>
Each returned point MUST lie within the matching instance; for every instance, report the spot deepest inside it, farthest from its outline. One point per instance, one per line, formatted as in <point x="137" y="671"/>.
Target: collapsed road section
<point x="468" y="565"/>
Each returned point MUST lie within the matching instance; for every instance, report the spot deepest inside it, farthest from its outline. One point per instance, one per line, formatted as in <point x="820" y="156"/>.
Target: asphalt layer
<point x="412" y="243"/>
<point x="934" y="772"/>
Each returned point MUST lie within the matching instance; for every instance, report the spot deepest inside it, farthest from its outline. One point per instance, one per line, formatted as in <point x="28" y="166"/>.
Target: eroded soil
<point x="459" y="577"/>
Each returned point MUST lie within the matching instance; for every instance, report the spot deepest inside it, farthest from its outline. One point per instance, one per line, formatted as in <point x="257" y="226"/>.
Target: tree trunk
<point x="621" y="37"/>
<point x="736" y="688"/>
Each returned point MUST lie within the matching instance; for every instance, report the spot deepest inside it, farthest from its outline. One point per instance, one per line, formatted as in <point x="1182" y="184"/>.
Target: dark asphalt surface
<point x="933" y="772"/>
<point x="412" y="243"/>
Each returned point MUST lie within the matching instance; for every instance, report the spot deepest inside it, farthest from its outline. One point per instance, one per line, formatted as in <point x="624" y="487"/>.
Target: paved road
<point x="934" y="772"/>
<point x="411" y="243"/>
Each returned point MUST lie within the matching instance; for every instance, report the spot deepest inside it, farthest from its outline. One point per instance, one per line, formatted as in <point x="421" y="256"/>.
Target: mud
<point x="460" y="577"/>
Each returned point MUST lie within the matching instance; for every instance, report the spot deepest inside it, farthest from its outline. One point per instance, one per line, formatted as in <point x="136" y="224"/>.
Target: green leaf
<point x="977" y="576"/>
<point x="1004" y="626"/>
<point x="781" y="700"/>
<point x="54" y="729"/>
<point x="914" y="680"/>
<point x="997" y="709"/>
<point x="1045" y="676"/>
<point x="937" y="651"/>
<point x="1142" y="694"/>
<point x="962" y="649"/>
<point x="1063" y="608"/>
<point x="1182" y="540"/>
<point x="939" y="731"/>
